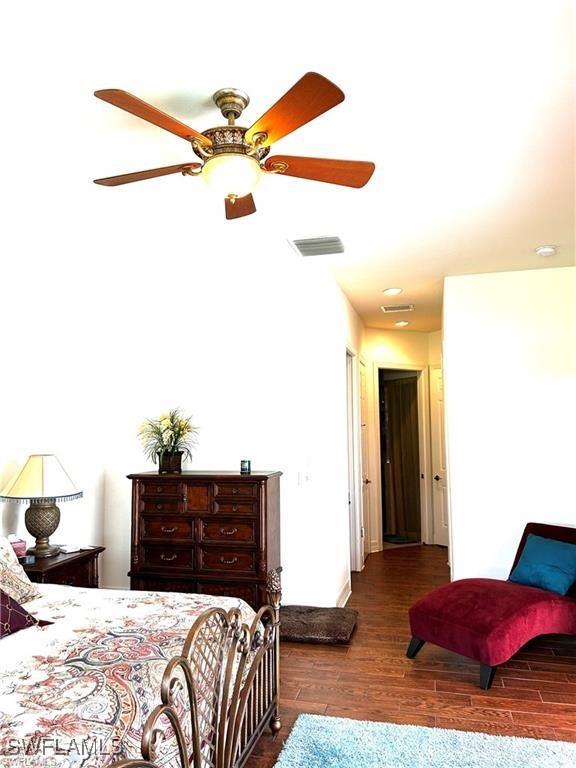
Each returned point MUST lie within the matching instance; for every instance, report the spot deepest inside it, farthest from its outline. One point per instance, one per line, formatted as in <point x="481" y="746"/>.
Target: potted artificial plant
<point x="167" y="439"/>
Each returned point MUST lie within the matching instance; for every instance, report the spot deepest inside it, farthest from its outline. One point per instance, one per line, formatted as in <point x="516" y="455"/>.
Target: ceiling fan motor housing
<point x="229" y="139"/>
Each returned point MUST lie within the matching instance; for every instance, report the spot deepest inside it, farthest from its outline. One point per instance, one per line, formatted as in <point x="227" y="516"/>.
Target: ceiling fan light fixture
<point x="231" y="175"/>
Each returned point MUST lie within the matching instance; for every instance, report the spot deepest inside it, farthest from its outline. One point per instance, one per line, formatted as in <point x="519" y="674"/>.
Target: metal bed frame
<point x="220" y="694"/>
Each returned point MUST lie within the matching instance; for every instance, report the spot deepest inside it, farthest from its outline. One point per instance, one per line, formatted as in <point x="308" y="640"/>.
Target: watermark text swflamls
<point x="47" y="746"/>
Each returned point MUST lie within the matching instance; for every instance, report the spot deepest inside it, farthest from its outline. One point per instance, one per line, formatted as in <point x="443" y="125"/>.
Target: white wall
<point x="119" y="303"/>
<point x="263" y="375"/>
<point x="435" y="348"/>
<point x="355" y="329"/>
<point x="396" y="347"/>
<point x="510" y="379"/>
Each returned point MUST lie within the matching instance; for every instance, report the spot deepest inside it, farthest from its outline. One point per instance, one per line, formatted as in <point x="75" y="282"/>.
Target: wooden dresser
<point x="215" y="533"/>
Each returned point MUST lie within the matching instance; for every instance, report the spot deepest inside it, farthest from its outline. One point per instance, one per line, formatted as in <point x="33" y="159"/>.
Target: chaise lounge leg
<point x="486" y="676"/>
<point x="414" y="646"/>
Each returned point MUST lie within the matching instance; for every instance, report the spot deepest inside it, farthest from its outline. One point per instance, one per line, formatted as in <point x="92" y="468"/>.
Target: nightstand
<point x="77" y="569"/>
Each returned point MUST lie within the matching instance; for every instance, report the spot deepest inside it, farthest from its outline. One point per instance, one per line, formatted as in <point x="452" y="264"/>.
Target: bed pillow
<point x="546" y="563"/>
<point x="13" y="617"/>
<point x="13" y="578"/>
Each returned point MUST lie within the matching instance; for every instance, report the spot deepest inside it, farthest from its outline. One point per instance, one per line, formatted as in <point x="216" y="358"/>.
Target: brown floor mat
<point x="305" y="624"/>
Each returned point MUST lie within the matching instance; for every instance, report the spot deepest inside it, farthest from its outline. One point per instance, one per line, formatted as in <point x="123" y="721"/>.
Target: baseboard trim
<point x="344" y="595"/>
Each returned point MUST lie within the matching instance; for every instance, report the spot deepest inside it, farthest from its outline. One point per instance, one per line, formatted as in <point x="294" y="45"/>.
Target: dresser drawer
<point x="160" y="527"/>
<point x="217" y="559"/>
<point x="161" y="488"/>
<point x="167" y="556"/>
<point x="228" y="530"/>
<point x="235" y="507"/>
<point x="246" y="591"/>
<point x="236" y="490"/>
<point x="162" y="505"/>
<point x="153" y="584"/>
<point x="74" y="574"/>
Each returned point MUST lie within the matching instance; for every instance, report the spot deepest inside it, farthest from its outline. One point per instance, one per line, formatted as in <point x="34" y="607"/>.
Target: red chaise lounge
<point x="490" y="620"/>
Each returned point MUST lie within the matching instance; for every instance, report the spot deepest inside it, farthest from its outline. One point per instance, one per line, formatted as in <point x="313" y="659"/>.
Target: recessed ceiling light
<point x="392" y="291"/>
<point x="402" y="323"/>
<point x="546" y="250"/>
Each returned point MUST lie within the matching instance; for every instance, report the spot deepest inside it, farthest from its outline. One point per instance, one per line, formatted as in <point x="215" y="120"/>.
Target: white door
<point x="439" y="500"/>
<point x="354" y="501"/>
<point x="366" y="495"/>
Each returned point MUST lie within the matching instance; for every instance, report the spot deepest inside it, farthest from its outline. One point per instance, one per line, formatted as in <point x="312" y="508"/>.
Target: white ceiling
<point x="467" y="109"/>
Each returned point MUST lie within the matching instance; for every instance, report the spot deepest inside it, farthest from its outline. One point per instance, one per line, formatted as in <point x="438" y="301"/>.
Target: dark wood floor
<point x="533" y="695"/>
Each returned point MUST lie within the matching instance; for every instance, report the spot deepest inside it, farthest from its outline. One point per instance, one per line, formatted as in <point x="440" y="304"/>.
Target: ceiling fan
<point x="234" y="158"/>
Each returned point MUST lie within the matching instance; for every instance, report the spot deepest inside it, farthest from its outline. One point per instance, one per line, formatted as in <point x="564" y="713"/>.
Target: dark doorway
<point x="399" y="454"/>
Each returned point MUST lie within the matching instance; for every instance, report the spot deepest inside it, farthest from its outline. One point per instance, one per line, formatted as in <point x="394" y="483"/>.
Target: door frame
<point x="365" y="452"/>
<point x="354" y="460"/>
<point x="438" y="367"/>
<point x="423" y="384"/>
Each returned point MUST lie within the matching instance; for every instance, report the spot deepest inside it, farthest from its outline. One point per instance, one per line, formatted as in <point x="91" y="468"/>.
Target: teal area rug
<point x="317" y="741"/>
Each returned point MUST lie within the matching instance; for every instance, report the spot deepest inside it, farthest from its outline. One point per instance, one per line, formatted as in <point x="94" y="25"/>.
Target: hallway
<point x="534" y="695"/>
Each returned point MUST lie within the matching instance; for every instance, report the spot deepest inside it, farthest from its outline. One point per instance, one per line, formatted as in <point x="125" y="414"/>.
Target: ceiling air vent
<point x="397" y="308"/>
<point x="318" y="246"/>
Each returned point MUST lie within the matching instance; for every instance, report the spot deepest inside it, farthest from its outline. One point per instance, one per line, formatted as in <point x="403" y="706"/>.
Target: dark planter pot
<point x="170" y="462"/>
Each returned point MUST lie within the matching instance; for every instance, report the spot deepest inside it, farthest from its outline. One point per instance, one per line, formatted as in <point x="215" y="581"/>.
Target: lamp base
<point x="40" y="550"/>
<point x="42" y="519"/>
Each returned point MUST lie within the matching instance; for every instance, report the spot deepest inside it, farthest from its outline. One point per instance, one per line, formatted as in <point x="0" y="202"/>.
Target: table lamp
<point x="42" y="481"/>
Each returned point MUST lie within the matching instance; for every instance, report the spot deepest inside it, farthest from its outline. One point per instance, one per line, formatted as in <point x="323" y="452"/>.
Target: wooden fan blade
<point x="348" y="173"/>
<point x="241" y="206"/>
<point x="126" y="178"/>
<point x="310" y="97"/>
<point x="136" y="106"/>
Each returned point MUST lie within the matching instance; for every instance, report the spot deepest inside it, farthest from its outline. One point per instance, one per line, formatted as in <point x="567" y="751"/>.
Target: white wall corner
<point x="344" y="595"/>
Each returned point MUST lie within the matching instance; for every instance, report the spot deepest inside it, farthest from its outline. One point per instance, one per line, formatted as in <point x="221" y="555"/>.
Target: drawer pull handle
<point x="235" y="508"/>
<point x="228" y="562"/>
<point x="231" y="532"/>
<point x="234" y="491"/>
<point x="168" y="530"/>
<point x="159" y="489"/>
<point x="159" y="506"/>
<point x="168" y="558"/>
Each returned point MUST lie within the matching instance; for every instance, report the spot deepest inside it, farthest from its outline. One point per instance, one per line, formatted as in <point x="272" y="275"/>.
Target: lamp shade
<point x="41" y="478"/>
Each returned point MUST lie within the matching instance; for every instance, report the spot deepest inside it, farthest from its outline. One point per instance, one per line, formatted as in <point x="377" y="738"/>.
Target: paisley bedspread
<point x="76" y="694"/>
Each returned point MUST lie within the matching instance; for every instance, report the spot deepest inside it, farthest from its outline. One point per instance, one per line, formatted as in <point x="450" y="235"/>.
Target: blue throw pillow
<point x="546" y="563"/>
